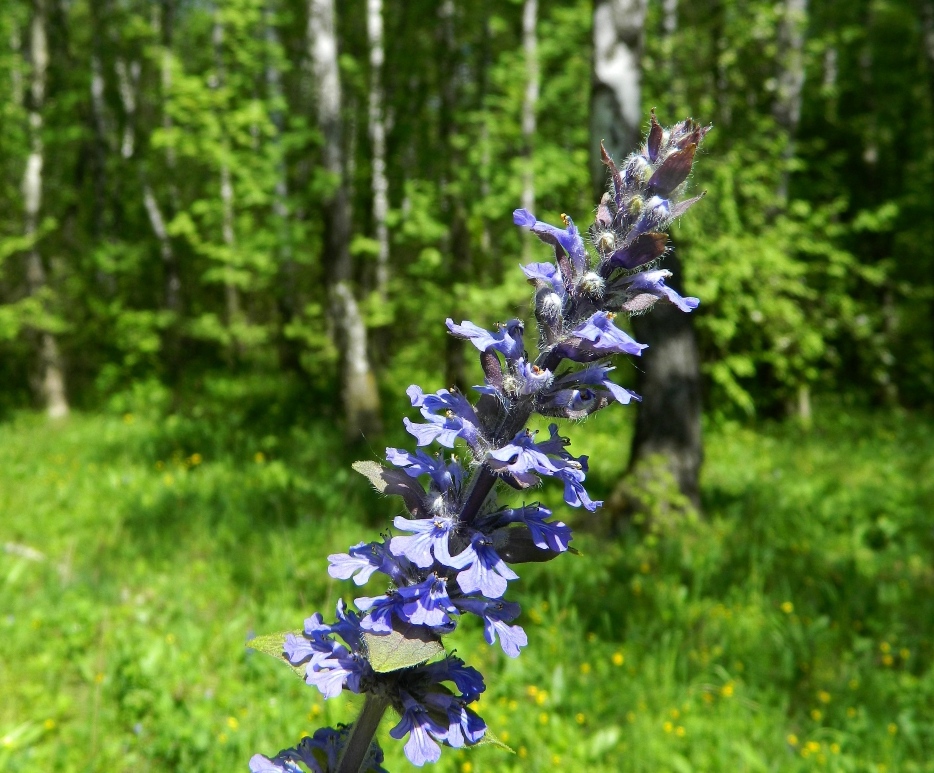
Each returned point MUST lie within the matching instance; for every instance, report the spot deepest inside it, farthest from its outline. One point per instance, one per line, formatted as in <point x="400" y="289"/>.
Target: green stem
<point x="361" y="734"/>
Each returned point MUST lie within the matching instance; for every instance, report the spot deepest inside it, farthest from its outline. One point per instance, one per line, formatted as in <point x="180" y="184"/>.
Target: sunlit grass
<point x="789" y="629"/>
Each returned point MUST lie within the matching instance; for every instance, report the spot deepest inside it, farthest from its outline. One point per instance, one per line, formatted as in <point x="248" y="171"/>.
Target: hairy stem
<point x="362" y="733"/>
<point x="485" y="479"/>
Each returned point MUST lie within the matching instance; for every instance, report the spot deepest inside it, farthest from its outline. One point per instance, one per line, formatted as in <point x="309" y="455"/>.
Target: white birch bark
<point x="529" y="106"/>
<point x="787" y="105"/>
<point x="162" y="23"/>
<point x="787" y="111"/>
<point x="358" y="384"/>
<point x="127" y="87"/>
<point x="231" y="293"/>
<point x="616" y="111"/>
<point x="377" y="127"/>
<point x="670" y="17"/>
<point x="51" y="371"/>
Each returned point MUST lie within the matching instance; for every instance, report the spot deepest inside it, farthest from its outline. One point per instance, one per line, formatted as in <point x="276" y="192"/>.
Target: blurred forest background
<point x="230" y="232"/>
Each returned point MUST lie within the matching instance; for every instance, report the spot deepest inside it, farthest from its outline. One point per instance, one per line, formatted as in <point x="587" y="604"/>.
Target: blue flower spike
<point x="454" y="550"/>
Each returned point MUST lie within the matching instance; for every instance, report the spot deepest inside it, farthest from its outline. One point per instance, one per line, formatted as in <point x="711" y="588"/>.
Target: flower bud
<point x="637" y="171"/>
<point x="592" y="285"/>
<point x="605" y="241"/>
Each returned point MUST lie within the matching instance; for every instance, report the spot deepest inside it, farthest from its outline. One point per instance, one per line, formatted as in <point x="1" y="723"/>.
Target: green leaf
<point x="271" y="644"/>
<point x="407" y="645"/>
<point x="490" y="739"/>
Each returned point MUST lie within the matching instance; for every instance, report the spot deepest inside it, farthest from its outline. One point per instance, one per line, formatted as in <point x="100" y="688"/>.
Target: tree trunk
<point x="457" y="252"/>
<point x="51" y="376"/>
<point x="358" y="384"/>
<point x="157" y="221"/>
<point x="231" y="293"/>
<point x="787" y="111"/>
<point x="529" y="106"/>
<point x="374" y="28"/>
<point x="287" y="297"/>
<point x="162" y="19"/>
<point x="668" y="418"/>
<point x="787" y="105"/>
<point x="615" y="106"/>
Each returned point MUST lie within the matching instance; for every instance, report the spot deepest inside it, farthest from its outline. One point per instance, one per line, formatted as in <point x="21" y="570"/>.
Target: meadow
<point x="787" y="629"/>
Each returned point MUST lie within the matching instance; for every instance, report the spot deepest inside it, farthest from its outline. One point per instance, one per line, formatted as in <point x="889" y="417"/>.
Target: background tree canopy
<point x="180" y="223"/>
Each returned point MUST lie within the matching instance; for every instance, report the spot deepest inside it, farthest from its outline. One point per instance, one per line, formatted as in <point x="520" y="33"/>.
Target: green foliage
<point x="790" y="629"/>
<point x="812" y="252"/>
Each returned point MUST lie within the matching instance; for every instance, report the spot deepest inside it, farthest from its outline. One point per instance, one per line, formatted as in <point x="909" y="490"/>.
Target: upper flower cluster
<point x="453" y="550"/>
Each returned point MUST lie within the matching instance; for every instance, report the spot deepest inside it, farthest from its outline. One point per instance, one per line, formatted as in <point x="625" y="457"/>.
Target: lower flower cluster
<point x="453" y="551"/>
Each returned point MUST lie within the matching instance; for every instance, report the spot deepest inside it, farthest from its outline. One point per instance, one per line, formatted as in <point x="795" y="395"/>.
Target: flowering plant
<point x="456" y="545"/>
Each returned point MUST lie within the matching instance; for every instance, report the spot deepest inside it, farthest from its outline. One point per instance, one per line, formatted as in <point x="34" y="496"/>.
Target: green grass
<point x="789" y="629"/>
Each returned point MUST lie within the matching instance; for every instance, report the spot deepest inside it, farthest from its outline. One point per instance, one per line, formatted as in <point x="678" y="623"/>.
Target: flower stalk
<point x="362" y="733"/>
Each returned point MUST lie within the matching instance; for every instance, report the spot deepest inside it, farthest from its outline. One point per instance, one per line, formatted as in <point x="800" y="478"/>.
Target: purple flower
<point x="362" y="560"/>
<point x="507" y="340"/>
<point x="444" y="476"/>
<point x="597" y="375"/>
<point x="548" y="275"/>
<point x="441" y="430"/>
<point x="487" y="573"/>
<point x="464" y="725"/>
<point x="521" y="458"/>
<point x="446" y="400"/>
<point x="459" y="419"/>
<point x="300" y="650"/>
<point x="571" y="401"/>
<point x="653" y="282"/>
<point x="381" y="610"/>
<point x="331" y="674"/>
<point x="431" y="536"/>
<point x="278" y="764"/>
<point x="316" y="645"/>
<point x="427" y="603"/>
<point x="598" y="337"/>
<point x="574" y="492"/>
<point x="327" y="740"/>
<point x="547" y="535"/>
<point x="531" y="378"/>
<point x="566" y="239"/>
<point x="656" y="215"/>
<point x="452" y="669"/>
<point x="495" y="615"/>
<point x="422" y="729"/>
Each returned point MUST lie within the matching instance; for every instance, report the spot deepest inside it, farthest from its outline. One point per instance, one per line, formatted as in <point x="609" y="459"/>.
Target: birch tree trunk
<point x="787" y="111"/>
<point x="163" y="16"/>
<point x="787" y="105"/>
<point x="358" y="384"/>
<point x="231" y="293"/>
<point x="99" y="20"/>
<point x="529" y="106"/>
<point x="286" y="300"/>
<point x="668" y="418"/>
<point x="457" y="248"/>
<point x="615" y="107"/>
<point x="374" y="28"/>
<point x="51" y="376"/>
<point x="127" y="87"/>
